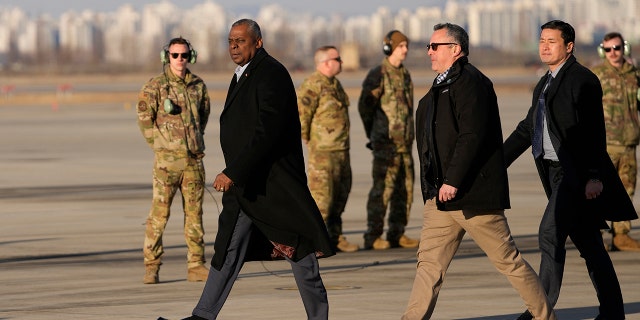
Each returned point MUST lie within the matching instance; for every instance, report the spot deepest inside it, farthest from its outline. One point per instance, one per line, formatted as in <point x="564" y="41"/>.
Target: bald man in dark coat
<point x="268" y="210"/>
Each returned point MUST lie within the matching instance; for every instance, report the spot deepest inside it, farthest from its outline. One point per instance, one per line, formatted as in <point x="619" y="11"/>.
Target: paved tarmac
<point x="75" y="190"/>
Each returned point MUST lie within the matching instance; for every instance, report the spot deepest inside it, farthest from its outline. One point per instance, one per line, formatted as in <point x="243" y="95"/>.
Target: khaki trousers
<point x="442" y="233"/>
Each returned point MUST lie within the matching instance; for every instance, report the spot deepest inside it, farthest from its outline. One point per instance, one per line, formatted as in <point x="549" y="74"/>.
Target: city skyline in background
<point x="324" y="7"/>
<point x="129" y="36"/>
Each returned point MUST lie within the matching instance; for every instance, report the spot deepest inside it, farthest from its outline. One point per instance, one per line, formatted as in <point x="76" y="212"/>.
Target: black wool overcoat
<point x="260" y="140"/>
<point x="459" y="140"/>
<point x="576" y="125"/>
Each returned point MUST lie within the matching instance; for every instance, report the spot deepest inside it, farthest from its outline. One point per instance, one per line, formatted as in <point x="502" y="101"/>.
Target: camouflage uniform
<point x="386" y="109"/>
<point x="178" y="145"/>
<point x="324" y="118"/>
<point x="620" y="102"/>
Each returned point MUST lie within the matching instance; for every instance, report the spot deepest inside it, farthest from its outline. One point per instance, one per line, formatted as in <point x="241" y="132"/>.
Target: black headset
<point x="164" y="54"/>
<point x="387" y="43"/>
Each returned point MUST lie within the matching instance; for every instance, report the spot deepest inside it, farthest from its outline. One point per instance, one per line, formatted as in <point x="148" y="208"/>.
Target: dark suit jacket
<point x="576" y="124"/>
<point x="260" y="140"/>
<point x="459" y="141"/>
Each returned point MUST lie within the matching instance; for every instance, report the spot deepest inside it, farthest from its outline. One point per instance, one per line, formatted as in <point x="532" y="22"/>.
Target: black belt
<point x="552" y="163"/>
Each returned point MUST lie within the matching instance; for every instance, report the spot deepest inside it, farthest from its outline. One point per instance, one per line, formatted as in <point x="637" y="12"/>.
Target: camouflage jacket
<point x="386" y="108"/>
<point x="182" y="132"/>
<point x="324" y="114"/>
<point x="620" y="102"/>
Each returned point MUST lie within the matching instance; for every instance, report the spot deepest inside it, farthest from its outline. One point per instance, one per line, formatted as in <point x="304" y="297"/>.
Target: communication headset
<point x="164" y="54"/>
<point x="387" y="43"/>
<point x="168" y="105"/>
<point x="626" y="49"/>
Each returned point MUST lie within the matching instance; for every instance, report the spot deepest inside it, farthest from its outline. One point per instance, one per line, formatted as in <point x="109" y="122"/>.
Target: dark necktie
<point x="536" y="141"/>
<point x="234" y="81"/>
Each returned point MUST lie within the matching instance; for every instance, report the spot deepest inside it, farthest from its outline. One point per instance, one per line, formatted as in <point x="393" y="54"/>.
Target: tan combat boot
<point x="151" y="274"/>
<point x="199" y="273"/>
<point x="345" y="246"/>
<point x="380" y="244"/>
<point x="407" y="242"/>
<point x="624" y="242"/>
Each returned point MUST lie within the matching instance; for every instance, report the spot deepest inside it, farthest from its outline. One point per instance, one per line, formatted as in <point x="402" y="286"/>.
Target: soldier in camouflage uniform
<point x="173" y="110"/>
<point x="324" y="118"/>
<point x="619" y="80"/>
<point x="386" y="109"/>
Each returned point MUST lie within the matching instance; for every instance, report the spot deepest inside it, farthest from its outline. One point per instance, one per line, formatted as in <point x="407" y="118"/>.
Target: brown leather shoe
<point x="151" y="274"/>
<point x="407" y="242"/>
<point x="623" y="242"/>
<point x="345" y="246"/>
<point x="199" y="273"/>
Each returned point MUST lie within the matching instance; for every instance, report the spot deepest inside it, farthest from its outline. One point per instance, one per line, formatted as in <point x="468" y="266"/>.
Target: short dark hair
<point x="252" y="26"/>
<point x="613" y="35"/>
<point x="179" y="40"/>
<point x="458" y="34"/>
<point x="566" y="30"/>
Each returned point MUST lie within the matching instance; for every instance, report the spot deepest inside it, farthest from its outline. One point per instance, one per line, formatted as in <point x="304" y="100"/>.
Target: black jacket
<point x="459" y="140"/>
<point x="260" y="140"/>
<point x="577" y="130"/>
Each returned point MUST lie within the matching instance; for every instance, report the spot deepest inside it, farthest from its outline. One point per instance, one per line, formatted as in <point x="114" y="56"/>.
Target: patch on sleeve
<point x="142" y="106"/>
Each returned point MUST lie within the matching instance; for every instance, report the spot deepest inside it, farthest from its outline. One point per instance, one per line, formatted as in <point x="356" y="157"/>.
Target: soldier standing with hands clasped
<point x="173" y="110"/>
<point x="386" y="109"/>
<point x="619" y="80"/>
<point x="324" y="118"/>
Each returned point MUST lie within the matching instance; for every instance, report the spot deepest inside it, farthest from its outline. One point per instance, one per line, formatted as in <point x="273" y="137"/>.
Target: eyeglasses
<point x="336" y="59"/>
<point x="434" y="46"/>
<point x="184" y="55"/>
<point x="616" y="48"/>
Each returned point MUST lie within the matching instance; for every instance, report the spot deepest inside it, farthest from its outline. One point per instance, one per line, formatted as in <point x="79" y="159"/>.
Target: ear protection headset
<point x="164" y="54"/>
<point x="626" y="49"/>
<point x="387" y="43"/>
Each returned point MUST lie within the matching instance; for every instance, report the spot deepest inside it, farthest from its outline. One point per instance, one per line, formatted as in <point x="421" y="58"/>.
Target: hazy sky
<point x="319" y="7"/>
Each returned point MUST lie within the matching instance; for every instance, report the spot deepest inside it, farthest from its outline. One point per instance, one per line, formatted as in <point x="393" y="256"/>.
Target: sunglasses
<point x="184" y="55"/>
<point x="336" y="59"/>
<point x="434" y="46"/>
<point x="616" y="48"/>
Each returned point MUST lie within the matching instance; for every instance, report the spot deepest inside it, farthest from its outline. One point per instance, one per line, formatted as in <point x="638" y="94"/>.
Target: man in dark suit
<point x="268" y="211"/>
<point x="463" y="178"/>
<point x="565" y="128"/>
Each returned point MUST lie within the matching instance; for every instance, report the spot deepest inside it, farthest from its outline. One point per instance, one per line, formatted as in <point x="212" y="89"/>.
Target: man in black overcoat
<point x="579" y="179"/>
<point x="268" y="211"/>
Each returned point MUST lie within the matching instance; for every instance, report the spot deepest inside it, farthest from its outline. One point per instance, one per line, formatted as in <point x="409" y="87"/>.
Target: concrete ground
<point x="75" y="190"/>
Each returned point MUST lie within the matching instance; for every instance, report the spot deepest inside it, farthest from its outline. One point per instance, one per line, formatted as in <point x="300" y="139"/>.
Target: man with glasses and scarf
<point x="463" y="178"/>
<point x="173" y="110"/>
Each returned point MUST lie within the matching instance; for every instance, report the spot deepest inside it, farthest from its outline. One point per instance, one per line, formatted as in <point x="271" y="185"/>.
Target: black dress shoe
<point x="194" y="317"/>
<point x="525" y="316"/>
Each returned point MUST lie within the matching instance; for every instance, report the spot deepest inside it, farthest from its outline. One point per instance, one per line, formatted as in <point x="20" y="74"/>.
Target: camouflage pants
<point x="393" y="187"/>
<point x="330" y="184"/>
<point x="624" y="159"/>
<point x="171" y="173"/>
